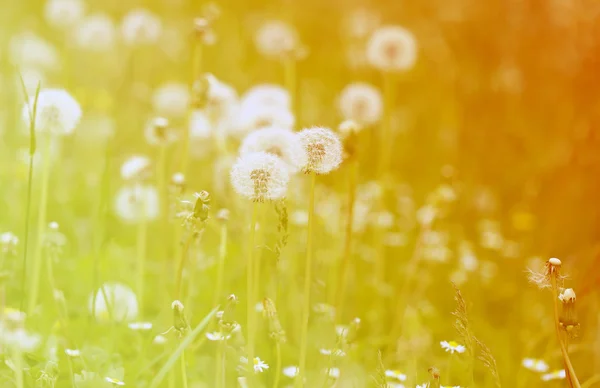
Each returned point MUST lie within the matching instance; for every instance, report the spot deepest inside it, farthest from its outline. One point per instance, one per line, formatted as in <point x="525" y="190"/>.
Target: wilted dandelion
<point x="452" y="346"/>
<point x="554" y="375"/>
<point x="260" y="176"/>
<point x="64" y="13"/>
<point x="57" y="113"/>
<point x="137" y="203"/>
<point x="543" y="279"/>
<point x="96" y="32"/>
<point x="279" y="142"/>
<point x="392" y="48"/>
<point x="361" y="102"/>
<point x="141" y="27"/>
<point x="121" y="303"/>
<point x="535" y="365"/>
<point x="323" y="150"/>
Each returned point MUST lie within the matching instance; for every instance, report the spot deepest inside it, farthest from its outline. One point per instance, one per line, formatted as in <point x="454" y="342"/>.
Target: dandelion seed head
<point x="141" y="27"/>
<point x="392" y="48"/>
<point x="348" y="128"/>
<point x="361" y="102"/>
<point x="280" y="142"/>
<point x="63" y="14"/>
<point x="253" y="117"/>
<point x="32" y="52"/>
<point x="57" y="112"/>
<point x="260" y="176"/>
<point x="135" y="203"/>
<point x="323" y="150"/>
<point x="122" y="303"/>
<point x="135" y="168"/>
<point x="267" y="94"/>
<point x="96" y="32"/>
<point x="171" y="100"/>
<point x="276" y="38"/>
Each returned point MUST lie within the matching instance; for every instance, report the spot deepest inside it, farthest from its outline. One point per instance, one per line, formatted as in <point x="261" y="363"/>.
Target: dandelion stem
<point x="142" y="231"/>
<point x="277" y="364"/>
<point x="386" y="130"/>
<point x="182" y="259"/>
<point x="250" y="287"/>
<point x="196" y="71"/>
<point x="221" y="267"/>
<point x="571" y="376"/>
<point x="184" y="381"/>
<point x="41" y="225"/>
<point x="289" y="68"/>
<point x="220" y="369"/>
<point x="19" y="368"/>
<point x="307" y="283"/>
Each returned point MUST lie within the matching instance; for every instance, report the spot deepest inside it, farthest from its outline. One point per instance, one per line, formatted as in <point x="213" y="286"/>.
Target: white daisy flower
<point x="291" y="371"/>
<point x="171" y="100"/>
<point x="259" y="365"/>
<point x="266" y="94"/>
<point x="535" y="365"/>
<point x="121" y="300"/>
<point x="217" y="336"/>
<point x="276" y="38"/>
<point x="64" y="13"/>
<point x="395" y="374"/>
<point x="57" y="112"/>
<point x="260" y="176"/>
<point x="137" y="203"/>
<point x="323" y="149"/>
<point x="140" y="326"/>
<point x="334" y="373"/>
<point x="72" y="352"/>
<point x="114" y="381"/>
<point x="141" y="27"/>
<point x="19" y="339"/>
<point x="135" y="167"/>
<point x="96" y="32"/>
<point x="554" y="375"/>
<point x="280" y="142"/>
<point x="392" y="48"/>
<point x="362" y="103"/>
<point x="452" y="346"/>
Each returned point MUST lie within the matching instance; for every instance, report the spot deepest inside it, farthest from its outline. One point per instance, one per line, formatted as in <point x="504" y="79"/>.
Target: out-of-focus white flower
<point x="57" y="112"/>
<point x="171" y="100"/>
<point x="452" y="346"/>
<point x="140" y="27"/>
<point x="395" y="374"/>
<point x="333" y="352"/>
<point x="72" y="352"/>
<point x="8" y="242"/>
<point x="200" y="126"/>
<point x="122" y="303"/>
<point x="291" y="371"/>
<point x="276" y="38"/>
<point x="535" y="365"/>
<point x="140" y="326"/>
<point x="18" y="339"/>
<point x="220" y="96"/>
<point x="30" y="51"/>
<point x="259" y="365"/>
<point x="567" y="296"/>
<point x="137" y="203"/>
<point x="31" y="78"/>
<point x="217" y="336"/>
<point x="114" y="381"/>
<point x="280" y="142"/>
<point x="159" y="132"/>
<point x="252" y="117"/>
<point x="260" y="176"/>
<point x="64" y="13"/>
<point x="323" y="149"/>
<point x="266" y="94"/>
<point x="136" y="167"/>
<point x="360" y="23"/>
<point x="159" y="340"/>
<point x="361" y="102"/>
<point x="95" y="32"/>
<point x="392" y="48"/>
<point x="334" y="373"/>
<point x="554" y="375"/>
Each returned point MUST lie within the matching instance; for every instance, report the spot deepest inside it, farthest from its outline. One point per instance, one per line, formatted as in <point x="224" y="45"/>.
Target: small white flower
<point x="323" y="149"/>
<point x="535" y="365"/>
<point x="555" y="375"/>
<point x="395" y="374"/>
<point x="140" y="27"/>
<point x="140" y="326"/>
<point x="137" y="203"/>
<point x="276" y="38"/>
<point x="291" y="371"/>
<point x="452" y="346"/>
<point x="121" y="300"/>
<point x="260" y="176"/>
<point x="8" y="242"/>
<point x="57" y="112"/>
<point x="96" y="32"/>
<point x="64" y="13"/>
<point x="259" y="365"/>
<point x="171" y="100"/>
<point x="280" y="142"/>
<point x="334" y="373"/>
<point x="333" y="352"/>
<point x="135" y="168"/>
<point x="72" y="352"/>
<point x="392" y="48"/>
<point x="217" y="336"/>
<point x="19" y="339"/>
<point x="361" y="102"/>
<point x="159" y="340"/>
<point x="266" y="94"/>
<point x="114" y="381"/>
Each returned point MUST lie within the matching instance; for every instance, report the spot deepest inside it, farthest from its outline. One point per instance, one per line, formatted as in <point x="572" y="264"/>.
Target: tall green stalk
<point x="142" y="234"/>
<point x="221" y="265"/>
<point x="289" y="69"/>
<point x="250" y="297"/>
<point x="307" y="283"/>
<point x="41" y="227"/>
<point x="196" y="71"/>
<point x="277" y="364"/>
<point x="184" y="380"/>
<point x="385" y="140"/>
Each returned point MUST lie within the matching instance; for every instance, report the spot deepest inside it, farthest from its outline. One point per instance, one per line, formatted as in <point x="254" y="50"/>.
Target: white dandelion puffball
<point x="281" y="142"/>
<point x="140" y="26"/>
<point x="361" y="102"/>
<point x="56" y="112"/>
<point x="171" y="100"/>
<point x="122" y="303"/>
<point x="260" y="176"/>
<point x="220" y="96"/>
<point x="199" y="126"/>
<point x="28" y="50"/>
<point x="137" y="203"/>
<point x="323" y="149"/>
<point x="255" y="117"/>
<point x="267" y="94"/>
<point x="136" y="167"/>
<point x="96" y="32"/>
<point x="64" y="13"/>
<point x="392" y="48"/>
<point x="276" y="38"/>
